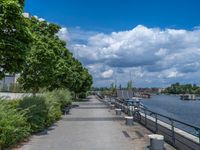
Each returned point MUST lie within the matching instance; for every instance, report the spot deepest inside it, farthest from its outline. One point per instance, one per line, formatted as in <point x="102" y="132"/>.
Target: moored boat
<point x="188" y="97"/>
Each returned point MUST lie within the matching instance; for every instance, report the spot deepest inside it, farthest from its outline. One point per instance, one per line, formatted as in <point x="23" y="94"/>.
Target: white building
<point x="7" y="81"/>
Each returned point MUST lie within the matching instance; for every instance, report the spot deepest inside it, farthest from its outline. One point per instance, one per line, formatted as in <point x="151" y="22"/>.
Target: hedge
<point x="21" y="118"/>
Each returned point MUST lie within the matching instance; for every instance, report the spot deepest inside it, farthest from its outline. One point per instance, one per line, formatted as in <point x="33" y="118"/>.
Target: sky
<point x="152" y="42"/>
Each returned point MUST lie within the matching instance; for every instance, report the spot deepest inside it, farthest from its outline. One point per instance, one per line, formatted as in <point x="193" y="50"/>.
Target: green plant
<point x="62" y="96"/>
<point x="83" y="95"/>
<point x="36" y="111"/>
<point x="13" y="124"/>
<point x="16" y="88"/>
<point x="15" y="37"/>
<point x="20" y="118"/>
<point x="53" y="106"/>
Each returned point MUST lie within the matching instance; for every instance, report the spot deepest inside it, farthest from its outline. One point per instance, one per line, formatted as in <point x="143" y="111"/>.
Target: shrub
<point x="13" y="124"/>
<point x="19" y="118"/>
<point x="36" y="111"/>
<point x="54" y="111"/>
<point x="63" y="97"/>
<point x="83" y="95"/>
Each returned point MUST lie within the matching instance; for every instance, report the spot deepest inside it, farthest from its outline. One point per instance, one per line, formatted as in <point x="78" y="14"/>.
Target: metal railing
<point x="172" y="124"/>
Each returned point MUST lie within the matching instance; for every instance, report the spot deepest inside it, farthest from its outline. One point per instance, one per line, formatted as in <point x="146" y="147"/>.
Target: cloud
<point x="64" y="34"/>
<point x="107" y="74"/>
<point x="40" y="19"/>
<point x="152" y="54"/>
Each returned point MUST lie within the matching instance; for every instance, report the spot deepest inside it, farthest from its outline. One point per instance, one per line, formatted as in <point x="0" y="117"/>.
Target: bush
<point x="13" y="124"/>
<point x="36" y="111"/>
<point x="20" y="118"/>
<point x="83" y="95"/>
<point x="54" y="111"/>
<point x="42" y="111"/>
<point x="63" y="97"/>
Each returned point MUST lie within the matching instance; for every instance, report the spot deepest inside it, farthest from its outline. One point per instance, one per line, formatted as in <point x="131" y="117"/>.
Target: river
<point x="172" y="106"/>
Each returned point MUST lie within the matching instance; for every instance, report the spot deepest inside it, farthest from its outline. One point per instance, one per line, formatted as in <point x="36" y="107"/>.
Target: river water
<point x="172" y="106"/>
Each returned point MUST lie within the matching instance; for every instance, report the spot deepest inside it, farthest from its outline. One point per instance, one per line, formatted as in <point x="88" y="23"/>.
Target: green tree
<point x="41" y="61"/>
<point x="82" y="80"/>
<point x="50" y="65"/>
<point x="15" y="37"/>
<point x="177" y="88"/>
<point x="129" y="85"/>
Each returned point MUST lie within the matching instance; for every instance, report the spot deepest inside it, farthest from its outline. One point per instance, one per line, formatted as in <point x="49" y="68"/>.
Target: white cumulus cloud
<point x="107" y="74"/>
<point x="64" y="34"/>
<point x="158" y="55"/>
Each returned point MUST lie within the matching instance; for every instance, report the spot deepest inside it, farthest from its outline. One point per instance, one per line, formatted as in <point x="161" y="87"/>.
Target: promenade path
<point x="90" y="126"/>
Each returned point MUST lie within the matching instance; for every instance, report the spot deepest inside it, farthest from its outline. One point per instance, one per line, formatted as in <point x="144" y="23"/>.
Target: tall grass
<point x="36" y="111"/>
<point x="13" y="125"/>
<point x="20" y="118"/>
<point x="62" y="96"/>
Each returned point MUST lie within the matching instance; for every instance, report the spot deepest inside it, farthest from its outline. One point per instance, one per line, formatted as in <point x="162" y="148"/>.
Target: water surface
<point x="172" y="106"/>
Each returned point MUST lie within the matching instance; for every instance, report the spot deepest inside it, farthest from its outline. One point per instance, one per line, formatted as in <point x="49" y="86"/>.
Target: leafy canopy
<point x="50" y="65"/>
<point x="15" y="37"/>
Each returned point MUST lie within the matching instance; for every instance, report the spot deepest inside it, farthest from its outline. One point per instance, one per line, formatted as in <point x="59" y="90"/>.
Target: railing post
<point x="132" y="108"/>
<point x="198" y="130"/>
<point x="173" y="133"/>
<point x="115" y="103"/>
<point x="156" y="123"/>
<point x="199" y="137"/>
<point x="145" y="113"/>
<point x="122" y="106"/>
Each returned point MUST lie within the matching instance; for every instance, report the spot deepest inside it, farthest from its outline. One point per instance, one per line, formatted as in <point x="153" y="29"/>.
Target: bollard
<point x="112" y="106"/>
<point x="118" y="111"/>
<point x="129" y="120"/>
<point x="156" y="142"/>
<point x="126" y="109"/>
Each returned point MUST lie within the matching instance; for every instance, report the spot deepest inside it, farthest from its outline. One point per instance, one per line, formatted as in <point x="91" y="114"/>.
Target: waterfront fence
<point x="181" y="135"/>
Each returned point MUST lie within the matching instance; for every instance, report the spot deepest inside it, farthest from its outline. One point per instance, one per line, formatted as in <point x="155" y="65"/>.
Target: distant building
<point x="160" y="90"/>
<point x="149" y="90"/>
<point x="7" y="82"/>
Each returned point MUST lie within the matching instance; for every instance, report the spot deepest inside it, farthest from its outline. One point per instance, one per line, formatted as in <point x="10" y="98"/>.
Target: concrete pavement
<point x="91" y="126"/>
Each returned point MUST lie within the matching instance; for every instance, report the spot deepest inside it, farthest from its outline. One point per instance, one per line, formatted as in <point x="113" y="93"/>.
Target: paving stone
<point x="91" y="126"/>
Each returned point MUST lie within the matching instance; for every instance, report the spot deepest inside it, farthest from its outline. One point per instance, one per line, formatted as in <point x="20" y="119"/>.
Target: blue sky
<point x="115" y="15"/>
<point x="156" y="41"/>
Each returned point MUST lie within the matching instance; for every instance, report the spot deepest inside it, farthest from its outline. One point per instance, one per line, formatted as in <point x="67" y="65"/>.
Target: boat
<point x="188" y="97"/>
<point x="143" y="95"/>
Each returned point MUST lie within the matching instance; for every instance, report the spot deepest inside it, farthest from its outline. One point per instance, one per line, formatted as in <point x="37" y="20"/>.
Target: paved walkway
<point x="90" y="126"/>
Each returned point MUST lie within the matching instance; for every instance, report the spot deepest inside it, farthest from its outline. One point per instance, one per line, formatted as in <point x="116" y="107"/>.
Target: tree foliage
<point x="15" y="37"/>
<point x="177" y="88"/>
<point x="129" y="85"/>
<point x="32" y="48"/>
<point x="41" y="61"/>
<point x="50" y="65"/>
